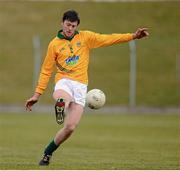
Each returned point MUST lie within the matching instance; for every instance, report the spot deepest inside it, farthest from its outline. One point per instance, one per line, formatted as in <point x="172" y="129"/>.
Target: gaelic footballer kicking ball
<point x="95" y="99"/>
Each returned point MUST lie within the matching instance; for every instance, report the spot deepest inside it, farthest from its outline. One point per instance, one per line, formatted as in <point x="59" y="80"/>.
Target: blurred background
<point x="157" y="57"/>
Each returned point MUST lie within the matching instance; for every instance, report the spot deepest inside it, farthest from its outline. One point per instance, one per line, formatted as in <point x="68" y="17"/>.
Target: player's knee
<point x="69" y="128"/>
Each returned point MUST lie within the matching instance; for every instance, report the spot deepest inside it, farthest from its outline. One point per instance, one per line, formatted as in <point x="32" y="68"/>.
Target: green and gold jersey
<point x="71" y="56"/>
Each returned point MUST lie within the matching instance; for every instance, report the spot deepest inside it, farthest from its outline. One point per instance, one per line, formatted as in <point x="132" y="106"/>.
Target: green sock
<point x="51" y="148"/>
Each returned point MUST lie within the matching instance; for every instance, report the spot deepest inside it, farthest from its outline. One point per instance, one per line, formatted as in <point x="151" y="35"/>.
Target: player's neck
<point x="67" y="36"/>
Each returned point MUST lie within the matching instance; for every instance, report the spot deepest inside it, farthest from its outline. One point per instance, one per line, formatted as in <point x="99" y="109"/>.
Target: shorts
<point x="75" y="89"/>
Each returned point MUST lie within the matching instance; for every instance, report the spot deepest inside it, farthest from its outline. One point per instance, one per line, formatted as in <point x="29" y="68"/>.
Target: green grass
<point x="129" y="141"/>
<point x="109" y="67"/>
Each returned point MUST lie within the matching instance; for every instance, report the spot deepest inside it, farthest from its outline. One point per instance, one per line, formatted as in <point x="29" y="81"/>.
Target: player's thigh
<point x="75" y="112"/>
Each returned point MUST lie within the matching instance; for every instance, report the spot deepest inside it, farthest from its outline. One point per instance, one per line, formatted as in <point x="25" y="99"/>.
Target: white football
<point x="95" y="99"/>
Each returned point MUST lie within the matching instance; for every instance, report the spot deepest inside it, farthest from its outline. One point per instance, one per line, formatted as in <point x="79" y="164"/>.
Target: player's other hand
<point x="30" y="102"/>
<point x="140" y="33"/>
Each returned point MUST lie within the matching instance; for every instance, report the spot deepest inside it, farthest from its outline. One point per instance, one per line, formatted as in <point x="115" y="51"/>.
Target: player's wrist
<point x="134" y="36"/>
<point x="36" y="95"/>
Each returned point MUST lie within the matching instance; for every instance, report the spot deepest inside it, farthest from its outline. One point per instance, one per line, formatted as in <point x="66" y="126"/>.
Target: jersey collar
<point x="61" y="36"/>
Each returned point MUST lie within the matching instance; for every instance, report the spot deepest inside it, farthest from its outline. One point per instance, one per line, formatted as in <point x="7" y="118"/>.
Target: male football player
<point x="69" y="52"/>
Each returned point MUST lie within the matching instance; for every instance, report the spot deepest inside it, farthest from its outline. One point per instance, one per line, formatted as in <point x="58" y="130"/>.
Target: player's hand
<point x="30" y="102"/>
<point x="140" y="33"/>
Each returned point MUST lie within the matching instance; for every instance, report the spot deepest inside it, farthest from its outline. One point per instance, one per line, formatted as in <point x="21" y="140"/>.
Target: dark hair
<point x="71" y="15"/>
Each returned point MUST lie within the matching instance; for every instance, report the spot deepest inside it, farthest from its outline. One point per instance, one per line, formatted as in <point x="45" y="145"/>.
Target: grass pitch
<point x="130" y="141"/>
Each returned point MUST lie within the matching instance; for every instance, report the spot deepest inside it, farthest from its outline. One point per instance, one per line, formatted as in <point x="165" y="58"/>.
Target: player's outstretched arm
<point x="140" y="33"/>
<point x="30" y="102"/>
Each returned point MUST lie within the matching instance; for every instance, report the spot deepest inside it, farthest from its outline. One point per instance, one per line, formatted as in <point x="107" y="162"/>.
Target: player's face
<point x="69" y="28"/>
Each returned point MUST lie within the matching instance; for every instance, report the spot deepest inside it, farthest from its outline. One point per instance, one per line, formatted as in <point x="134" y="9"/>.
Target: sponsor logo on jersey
<point x="72" y="60"/>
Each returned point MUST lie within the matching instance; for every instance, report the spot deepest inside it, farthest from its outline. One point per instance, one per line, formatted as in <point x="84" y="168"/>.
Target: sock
<point x="50" y="148"/>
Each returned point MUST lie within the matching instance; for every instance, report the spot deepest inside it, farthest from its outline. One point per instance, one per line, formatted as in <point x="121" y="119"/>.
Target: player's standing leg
<point x="72" y="119"/>
<point x="73" y="116"/>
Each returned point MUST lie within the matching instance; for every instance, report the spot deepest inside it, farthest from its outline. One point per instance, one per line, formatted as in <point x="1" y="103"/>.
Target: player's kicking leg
<point x="60" y="110"/>
<point x="62" y="103"/>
